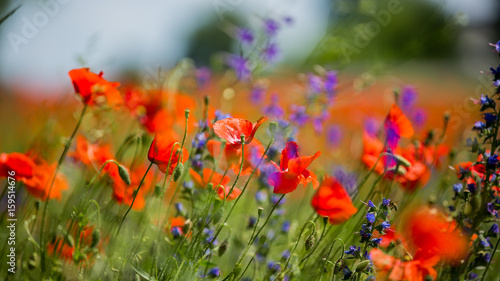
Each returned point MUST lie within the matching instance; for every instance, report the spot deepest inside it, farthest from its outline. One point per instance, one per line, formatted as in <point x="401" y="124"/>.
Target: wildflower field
<point x="240" y="170"/>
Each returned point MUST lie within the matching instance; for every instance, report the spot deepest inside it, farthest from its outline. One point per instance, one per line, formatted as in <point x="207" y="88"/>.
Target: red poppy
<point x="293" y="170"/>
<point x="160" y="152"/>
<point x="21" y="164"/>
<point x="396" y="126"/>
<point x="218" y="181"/>
<point x="332" y="201"/>
<point x="391" y="268"/>
<point x="39" y="184"/>
<point x="91" y="86"/>
<point x="430" y="233"/>
<point x="93" y="155"/>
<point x="231" y="130"/>
<point x="124" y="194"/>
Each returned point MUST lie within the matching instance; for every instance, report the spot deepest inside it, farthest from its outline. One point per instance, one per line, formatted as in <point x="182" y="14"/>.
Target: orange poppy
<point x="21" y="164"/>
<point x="218" y="181"/>
<point x="430" y="232"/>
<point x="231" y="130"/>
<point x="293" y="170"/>
<point x="332" y="201"/>
<point x="160" y="153"/>
<point x="90" y="86"/>
<point x="39" y="184"/>
<point x="390" y="268"/>
<point x="93" y="155"/>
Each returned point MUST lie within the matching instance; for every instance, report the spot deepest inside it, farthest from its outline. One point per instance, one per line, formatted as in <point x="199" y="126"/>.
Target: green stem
<point x="133" y="200"/>
<point x="46" y="203"/>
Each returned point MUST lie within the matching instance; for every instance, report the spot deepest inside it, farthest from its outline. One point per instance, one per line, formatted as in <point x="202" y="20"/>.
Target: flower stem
<point x="46" y="203"/>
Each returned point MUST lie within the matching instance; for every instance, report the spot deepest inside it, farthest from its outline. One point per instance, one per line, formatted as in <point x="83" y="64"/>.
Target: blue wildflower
<point x="494" y="230"/>
<point x="457" y="187"/>
<point x="299" y="115"/>
<point x="385" y="224"/>
<point x="353" y="251"/>
<point x="370" y="217"/>
<point x="244" y="35"/>
<point x="386" y="202"/>
<point x="240" y="66"/>
<point x="176" y="231"/>
<point x="479" y="126"/>
<point x="408" y="97"/>
<point x="271" y="27"/>
<point x="257" y="94"/>
<point x="334" y="135"/>
<point x="270" y="52"/>
<point x="214" y="272"/>
<point x="286" y="226"/>
<point x="371" y="205"/>
<point x="274" y="109"/>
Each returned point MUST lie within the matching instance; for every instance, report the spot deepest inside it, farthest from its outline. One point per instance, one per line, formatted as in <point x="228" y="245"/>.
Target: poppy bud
<point x="96" y="237"/>
<point x="178" y="171"/>
<point x="362" y="265"/>
<point x="259" y="211"/>
<point x="186" y="113"/>
<point x="223" y="248"/>
<point x="273" y="127"/>
<point x="122" y="171"/>
<point x="402" y="161"/>
<point x="311" y="239"/>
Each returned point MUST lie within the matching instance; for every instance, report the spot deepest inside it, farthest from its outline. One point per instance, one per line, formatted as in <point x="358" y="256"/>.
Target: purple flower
<point x="457" y="187"/>
<point x="179" y="207"/>
<point x="271" y="27"/>
<point x="348" y="180"/>
<point x="318" y="122"/>
<point x="376" y="241"/>
<point x="479" y="126"/>
<point x="385" y="224"/>
<point x="491" y="209"/>
<point x="331" y="82"/>
<point x="371" y="127"/>
<point x="240" y="66"/>
<point x="370" y="217"/>
<point x="492" y="160"/>
<point x="299" y="115"/>
<point x="316" y="84"/>
<point x="257" y="94"/>
<point x="286" y="226"/>
<point x="353" y="250"/>
<point x="244" y="35"/>
<point x="270" y="52"/>
<point x="214" y="272"/>
<point x="273" y="266"/>
<point x="386" y="202"/>
<point x="274" y="109"/>
<point x="490" y="118"/>
<point x="493" y="231"/>
<point x="408" y="97"/>
<point x="176" y="231"/>
<point x="288" y="20"/>
<point x="285" y="255"/>
<point x="371" y="205"/>
<point x="202" y="76"/>
<point x="497" y="46"/>
<point x="188" y="184"/>
<point x="260" y="196"/>
<point x="419" y="117"/>
<point x="219" y="115"/>
<point x="334" y="135"/>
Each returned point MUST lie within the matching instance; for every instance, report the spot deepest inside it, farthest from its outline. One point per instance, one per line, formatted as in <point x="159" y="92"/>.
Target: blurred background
<point x="440" y="47"/>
